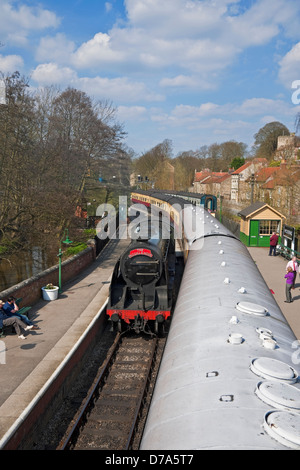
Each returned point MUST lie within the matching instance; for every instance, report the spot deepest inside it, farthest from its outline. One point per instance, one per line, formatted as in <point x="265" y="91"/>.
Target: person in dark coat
<point x="16" y="322"/>
<point x="12" y="310"/>
<point x="273" y="244"/>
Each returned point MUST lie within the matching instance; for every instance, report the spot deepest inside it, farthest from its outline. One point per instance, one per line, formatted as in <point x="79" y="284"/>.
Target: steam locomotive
<point x="141" y="289"/>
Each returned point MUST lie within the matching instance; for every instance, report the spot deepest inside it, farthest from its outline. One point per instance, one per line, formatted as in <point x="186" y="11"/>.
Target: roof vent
<point x="279" y="395"/>
<point x="253" y="309"/>
<point x="235" y="338"/>
<point x="273" y="369"/>
<point x="284" y="426"/>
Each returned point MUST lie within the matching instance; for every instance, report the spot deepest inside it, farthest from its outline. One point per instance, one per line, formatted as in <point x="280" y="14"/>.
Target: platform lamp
<point x="67" y="241"/>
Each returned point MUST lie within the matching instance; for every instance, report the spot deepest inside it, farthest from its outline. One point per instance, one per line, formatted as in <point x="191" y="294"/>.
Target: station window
<point x="267" y="227"/>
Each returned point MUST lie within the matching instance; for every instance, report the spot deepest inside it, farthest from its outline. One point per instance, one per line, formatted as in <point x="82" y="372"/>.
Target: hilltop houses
<point x="278" y="185"/>
<point x="233" y="185"/>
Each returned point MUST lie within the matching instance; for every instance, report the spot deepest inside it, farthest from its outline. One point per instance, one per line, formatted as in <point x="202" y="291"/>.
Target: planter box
<point x="50" y="294"/>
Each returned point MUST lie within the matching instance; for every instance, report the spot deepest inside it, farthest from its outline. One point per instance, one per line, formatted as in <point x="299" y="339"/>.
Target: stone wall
<point x="30" y="289"/>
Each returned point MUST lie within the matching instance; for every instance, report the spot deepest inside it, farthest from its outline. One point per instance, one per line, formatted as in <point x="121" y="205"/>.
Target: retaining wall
<point x="30" y="289"/>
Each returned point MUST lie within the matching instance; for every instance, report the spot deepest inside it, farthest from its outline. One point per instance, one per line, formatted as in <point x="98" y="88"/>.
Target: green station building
<point x="258" y="222"/>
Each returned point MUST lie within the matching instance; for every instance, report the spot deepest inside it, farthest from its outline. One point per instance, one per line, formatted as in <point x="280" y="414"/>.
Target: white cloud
<point x="194" y="41"/>
<point x="132" y="113"/>
<point x="290" y="66"/>
<point x="10" y="63"/>
<point x="108" y="7"/>
<point x="51" y="73"/>
<point x="96" y="51"/>
<point x="120" y="90"/>
<point x="213" y="116"/>
<point x="17" y="21"/>
<point x="184" y="81"/>
<point x="57" y="48"/>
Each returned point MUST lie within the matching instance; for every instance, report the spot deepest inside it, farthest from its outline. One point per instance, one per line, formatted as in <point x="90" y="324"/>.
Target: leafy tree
<point x="154" y="165"/>
<point x="50" y="141"/>
<point x="266" y="139"/>
<point x="237" y="162"/>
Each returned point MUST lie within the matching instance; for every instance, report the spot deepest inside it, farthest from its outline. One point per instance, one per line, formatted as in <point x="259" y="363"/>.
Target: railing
<point x="287" y="252"/>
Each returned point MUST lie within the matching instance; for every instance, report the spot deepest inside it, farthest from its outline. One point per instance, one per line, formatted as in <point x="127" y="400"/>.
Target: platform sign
<point x="288" y="232"/>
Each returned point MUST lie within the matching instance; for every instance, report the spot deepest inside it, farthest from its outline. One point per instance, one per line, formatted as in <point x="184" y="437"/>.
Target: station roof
<point x="255" y="207"/>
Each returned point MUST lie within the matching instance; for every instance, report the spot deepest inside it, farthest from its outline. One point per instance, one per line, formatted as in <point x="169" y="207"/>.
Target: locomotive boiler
<point x="140" y="296"/>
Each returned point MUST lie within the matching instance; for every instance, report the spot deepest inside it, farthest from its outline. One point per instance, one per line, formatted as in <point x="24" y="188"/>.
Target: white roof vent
<point x="235" y="338"/>
<point x="273" y="369"/>
<point x="279" y="395"/>
<point x="284" y="426"/>
<point x="253" y="309"/>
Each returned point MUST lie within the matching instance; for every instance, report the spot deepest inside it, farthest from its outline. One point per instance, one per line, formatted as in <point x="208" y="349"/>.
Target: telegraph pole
<point x="252" y="180"/>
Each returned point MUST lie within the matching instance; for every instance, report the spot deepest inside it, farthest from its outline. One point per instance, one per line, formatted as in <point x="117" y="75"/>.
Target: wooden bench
<point x="22" y="310"/>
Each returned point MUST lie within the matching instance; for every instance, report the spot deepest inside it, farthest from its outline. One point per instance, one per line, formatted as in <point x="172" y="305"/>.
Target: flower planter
<point x="50" y="294"/>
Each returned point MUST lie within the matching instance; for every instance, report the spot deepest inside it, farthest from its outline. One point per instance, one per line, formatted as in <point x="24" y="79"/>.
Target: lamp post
<point x="67" y="241"/>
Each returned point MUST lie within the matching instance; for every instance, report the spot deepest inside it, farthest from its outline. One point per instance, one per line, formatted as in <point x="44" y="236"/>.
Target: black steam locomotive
<point x="140" y="295"/>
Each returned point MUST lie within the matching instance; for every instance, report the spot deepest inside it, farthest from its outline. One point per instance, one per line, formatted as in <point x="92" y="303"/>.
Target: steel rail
<point x="94" y="393"/>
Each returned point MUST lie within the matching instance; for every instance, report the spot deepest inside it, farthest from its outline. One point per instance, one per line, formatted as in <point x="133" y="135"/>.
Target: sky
<point x="196" y="72"/>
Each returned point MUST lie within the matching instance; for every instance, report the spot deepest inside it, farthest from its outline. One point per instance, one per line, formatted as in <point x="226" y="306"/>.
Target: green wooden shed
<point x="258" y="222"/>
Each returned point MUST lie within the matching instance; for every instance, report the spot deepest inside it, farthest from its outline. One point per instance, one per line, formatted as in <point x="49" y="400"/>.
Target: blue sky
<point x="192" y="71"/>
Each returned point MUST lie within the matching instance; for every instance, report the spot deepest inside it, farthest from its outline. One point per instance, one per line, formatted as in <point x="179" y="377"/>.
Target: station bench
<point x="22" y="310"/>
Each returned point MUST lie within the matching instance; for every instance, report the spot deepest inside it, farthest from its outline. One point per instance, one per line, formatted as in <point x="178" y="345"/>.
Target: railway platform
<point x="272" y="269"/>
<point x="27" y="365"/>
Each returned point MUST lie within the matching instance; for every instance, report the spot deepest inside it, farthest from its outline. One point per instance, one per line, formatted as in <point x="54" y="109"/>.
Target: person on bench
<point x="16" y="322"/>
<point x="11" y="309"/>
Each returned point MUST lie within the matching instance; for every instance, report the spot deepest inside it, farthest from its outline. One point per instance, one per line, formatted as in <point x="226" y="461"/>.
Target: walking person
<point x="16" y="322"/>
<point x="295" y="267"/>
<point x="273" y="244"/>
<point x="289" y="284"/>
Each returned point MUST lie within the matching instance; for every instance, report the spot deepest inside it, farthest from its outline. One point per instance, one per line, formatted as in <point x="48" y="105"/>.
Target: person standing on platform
<point x="289" y="284"/>
<point x="273" y="244"/>
<point x="295" y="267"/>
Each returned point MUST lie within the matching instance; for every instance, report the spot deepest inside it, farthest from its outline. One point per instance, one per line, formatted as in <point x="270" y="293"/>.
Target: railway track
<point x="109" y="416"/>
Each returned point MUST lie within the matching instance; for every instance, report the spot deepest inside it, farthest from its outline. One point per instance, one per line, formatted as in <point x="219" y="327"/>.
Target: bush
<point x="76" y="248"/>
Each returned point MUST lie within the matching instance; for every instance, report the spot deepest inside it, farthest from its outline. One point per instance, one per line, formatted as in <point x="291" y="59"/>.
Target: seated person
<point x="11" y="309"/>
<point x="16" y="322"/>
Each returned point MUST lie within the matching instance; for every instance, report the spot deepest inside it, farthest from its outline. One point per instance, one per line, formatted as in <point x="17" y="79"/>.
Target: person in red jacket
<point x="273" y="244"/>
